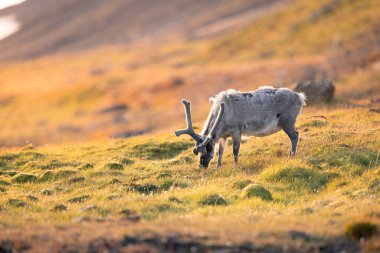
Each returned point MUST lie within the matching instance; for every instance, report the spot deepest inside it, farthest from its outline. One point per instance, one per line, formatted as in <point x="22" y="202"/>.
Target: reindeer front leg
<point x="236" y="138"/>
<point x="222" y="146"/>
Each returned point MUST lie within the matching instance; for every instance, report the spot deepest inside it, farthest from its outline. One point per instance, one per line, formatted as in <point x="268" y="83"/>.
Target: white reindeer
<point x="258" y="113"/>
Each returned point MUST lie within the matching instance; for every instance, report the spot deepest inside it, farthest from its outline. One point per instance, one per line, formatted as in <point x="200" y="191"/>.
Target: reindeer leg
<point x="287" y="124"/>
<point x="222" y="146"/>
<point x="236" y="138"/>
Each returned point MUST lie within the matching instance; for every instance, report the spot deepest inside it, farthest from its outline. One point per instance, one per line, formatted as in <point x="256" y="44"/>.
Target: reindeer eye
<point x="209" y="147"/>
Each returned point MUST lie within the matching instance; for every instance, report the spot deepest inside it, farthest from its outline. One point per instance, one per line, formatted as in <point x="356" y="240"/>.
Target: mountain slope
<point x="62" y="26"/>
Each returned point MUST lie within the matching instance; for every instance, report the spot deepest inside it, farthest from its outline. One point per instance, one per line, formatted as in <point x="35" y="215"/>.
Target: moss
<point x="114" y="166"/>
<point x="213" y="200"/>
<point x="159" y="151"/>
<point x="16" y="203"/>
<point x="24" y="178"/>
<point x="256" y="191"/>
<point x="79" y="199"/>
<point x="358" y="230"/>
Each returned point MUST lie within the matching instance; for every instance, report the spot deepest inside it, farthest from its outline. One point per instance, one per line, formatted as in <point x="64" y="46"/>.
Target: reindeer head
<point x="204" y="145"/>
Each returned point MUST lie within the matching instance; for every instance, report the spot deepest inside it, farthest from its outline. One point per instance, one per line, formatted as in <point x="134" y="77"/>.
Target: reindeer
<point x="259" y="113"/>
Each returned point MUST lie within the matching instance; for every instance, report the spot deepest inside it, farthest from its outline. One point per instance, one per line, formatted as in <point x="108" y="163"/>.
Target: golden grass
<point x="332" y="181"/>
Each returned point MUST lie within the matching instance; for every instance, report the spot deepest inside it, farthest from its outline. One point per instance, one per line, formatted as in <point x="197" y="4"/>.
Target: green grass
<point x="333" y="180"/>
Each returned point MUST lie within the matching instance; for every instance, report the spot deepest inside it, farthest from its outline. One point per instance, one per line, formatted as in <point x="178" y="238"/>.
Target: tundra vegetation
<point x="304" y="202"/>
<point x="85" y="192"/>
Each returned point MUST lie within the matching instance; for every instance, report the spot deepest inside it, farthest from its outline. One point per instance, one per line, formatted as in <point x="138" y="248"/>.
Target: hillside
<point x="90" y="97"/>
<point x="145" y="193"/>
<point x="119" y="91"/>
<point x="75" y="25"/>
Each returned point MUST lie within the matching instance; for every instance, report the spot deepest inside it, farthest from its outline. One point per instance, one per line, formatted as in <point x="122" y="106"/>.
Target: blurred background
<point x="78" y="70"/>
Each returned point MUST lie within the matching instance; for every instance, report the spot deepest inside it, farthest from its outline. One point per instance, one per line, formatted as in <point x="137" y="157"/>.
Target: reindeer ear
<point x="195" y="151"/>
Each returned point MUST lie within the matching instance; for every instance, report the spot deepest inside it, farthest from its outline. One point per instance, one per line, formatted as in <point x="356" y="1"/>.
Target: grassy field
<point x="70" y="180"/>
<point x="152" y="186"/>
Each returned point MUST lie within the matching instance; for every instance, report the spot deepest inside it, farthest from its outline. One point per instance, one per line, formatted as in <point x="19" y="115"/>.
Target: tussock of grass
<point x="32" y="198"/>
<point x="114" y="166"/>
<point x="59" y="208"/>
<point x="47" y="176"/>
<point x="17" y="203"/>
<point x="24" y="178"/>
<point x="4" y="183"/>
<point x="79" y="199"/>
<point x="213" y="200"/>
<point x="64" y="174"/>
<point x="256" y="191"/>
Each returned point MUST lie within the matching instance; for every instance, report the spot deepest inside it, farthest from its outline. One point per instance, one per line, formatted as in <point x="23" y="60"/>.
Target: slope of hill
<point x="144" y="194"/>
<point x="64" y="26"/>
<point x="119" y="91"/>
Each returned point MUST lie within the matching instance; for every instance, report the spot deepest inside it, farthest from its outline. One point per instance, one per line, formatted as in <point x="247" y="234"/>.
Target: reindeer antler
<point x="189" y="130"/>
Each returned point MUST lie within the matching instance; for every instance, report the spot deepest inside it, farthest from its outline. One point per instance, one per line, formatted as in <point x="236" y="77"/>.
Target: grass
<point x="120" y="188"/>
<point x="321" y="184"/>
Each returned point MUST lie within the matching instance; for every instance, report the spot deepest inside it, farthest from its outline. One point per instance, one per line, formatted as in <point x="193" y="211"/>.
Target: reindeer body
<point x="258" y="113"/>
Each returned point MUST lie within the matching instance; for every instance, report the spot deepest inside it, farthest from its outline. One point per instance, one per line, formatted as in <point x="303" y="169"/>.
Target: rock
<point x="316" y="85"/>
<point x="256" y="191"/>
<point x="317" y="91"/>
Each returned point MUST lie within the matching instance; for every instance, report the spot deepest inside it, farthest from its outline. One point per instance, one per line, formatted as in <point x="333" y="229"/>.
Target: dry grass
<point x="333" y="180"/>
